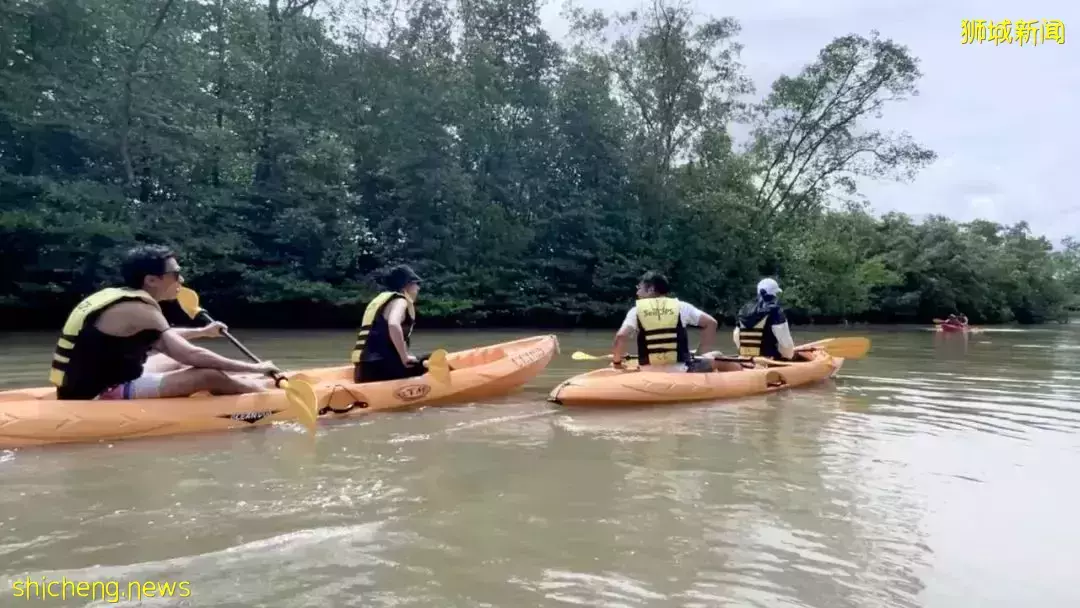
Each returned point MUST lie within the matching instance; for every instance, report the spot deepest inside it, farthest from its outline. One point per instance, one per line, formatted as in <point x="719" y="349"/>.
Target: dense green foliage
<point x="290" y="150"/>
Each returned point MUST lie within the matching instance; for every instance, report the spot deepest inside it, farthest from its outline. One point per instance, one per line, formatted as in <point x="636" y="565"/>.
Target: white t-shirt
<point x="688" y="314"/>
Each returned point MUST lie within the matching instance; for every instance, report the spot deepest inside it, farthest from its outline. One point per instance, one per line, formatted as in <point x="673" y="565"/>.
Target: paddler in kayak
<point x="958" y="320"/>
<point x="382" y="344"/>
<point x="659" y="322"/>
<point x="762" y="329"/>
<point x="107" y="338"/>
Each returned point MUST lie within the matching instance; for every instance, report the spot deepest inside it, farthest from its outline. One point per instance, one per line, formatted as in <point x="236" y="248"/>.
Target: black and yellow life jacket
<point x="756" y="338"/>
<point x="87" y="361"/>
<point x="373" y="339"/>
<point x="661" y="337"/>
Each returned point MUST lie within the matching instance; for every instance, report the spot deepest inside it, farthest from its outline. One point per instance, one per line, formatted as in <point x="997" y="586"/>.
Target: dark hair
<point x="400" y="276"/>
<point x="144" y="261"/>
<point x="656" y="281"/>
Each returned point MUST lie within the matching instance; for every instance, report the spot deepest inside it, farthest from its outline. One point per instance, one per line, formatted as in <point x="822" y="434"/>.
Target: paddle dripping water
<point x="937" y="473"/>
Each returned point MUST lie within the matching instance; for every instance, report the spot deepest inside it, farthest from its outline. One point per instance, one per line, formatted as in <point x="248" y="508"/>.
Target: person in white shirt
<point x="762" y="329"/>
<point x="659" y="322"/>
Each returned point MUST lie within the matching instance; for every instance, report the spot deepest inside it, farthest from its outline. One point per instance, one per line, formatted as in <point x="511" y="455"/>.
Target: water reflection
<point x="951" y="346"/>
<point x="922" y="477"/>
<point x="753" y="501"/>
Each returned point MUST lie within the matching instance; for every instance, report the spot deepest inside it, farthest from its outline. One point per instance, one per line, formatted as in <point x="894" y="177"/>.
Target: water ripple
<point x="345" y="555"/>
<point x="610" y="590"/>
<point x="934" y="473"/>
<point x="1009" y="407"/>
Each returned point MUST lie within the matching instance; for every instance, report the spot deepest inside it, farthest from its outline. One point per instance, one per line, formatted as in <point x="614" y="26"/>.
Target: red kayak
<point x="952" y="327"/>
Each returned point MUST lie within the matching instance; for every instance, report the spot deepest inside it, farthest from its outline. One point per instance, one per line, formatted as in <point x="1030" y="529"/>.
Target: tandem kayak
<point x="35" y="417"/>
<point x="611" y="387"/>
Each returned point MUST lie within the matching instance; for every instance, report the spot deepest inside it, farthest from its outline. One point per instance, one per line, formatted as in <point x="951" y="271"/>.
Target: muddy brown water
<point x="938" y="472"/>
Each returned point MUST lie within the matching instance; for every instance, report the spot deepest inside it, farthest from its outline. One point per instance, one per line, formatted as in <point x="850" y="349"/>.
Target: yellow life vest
<point x="750" y="338"/>
<point x="84" y="315"/>
<point x="661" y="338"/>
<point x="373" y="313"/>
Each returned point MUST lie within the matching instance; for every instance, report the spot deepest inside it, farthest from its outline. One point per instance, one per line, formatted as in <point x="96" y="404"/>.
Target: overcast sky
<point x="1004" y="120"/>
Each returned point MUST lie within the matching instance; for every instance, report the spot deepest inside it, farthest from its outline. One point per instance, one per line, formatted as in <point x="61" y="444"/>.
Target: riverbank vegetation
<point x="290" y="150"/>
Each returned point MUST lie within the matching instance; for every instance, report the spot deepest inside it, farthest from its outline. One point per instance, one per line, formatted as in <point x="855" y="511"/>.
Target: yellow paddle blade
<point x="844" y="348"/>
<point x="939" y="320"/>
<point x="303" y="399"/>
<point x="438" y="366"/>
<point x="580" y="356"/>
<point x="189" y="301"/>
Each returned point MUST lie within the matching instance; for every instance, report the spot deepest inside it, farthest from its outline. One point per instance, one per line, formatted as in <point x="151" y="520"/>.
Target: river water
<point x="938" y="472"/>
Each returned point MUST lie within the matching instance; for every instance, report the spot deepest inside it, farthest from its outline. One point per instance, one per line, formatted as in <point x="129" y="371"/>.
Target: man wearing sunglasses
<point x="104" y="346"/>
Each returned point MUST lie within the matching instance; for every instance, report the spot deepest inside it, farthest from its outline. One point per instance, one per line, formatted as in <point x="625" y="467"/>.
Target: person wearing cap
<point x="660" y="323"/>
<point x="762" y="329"/>
<point x="382" y="344"/>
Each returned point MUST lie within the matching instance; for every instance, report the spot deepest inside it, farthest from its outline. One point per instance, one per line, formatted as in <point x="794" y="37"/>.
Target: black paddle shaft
<point x="727" y="358"/>
<point x="204" y="316"/>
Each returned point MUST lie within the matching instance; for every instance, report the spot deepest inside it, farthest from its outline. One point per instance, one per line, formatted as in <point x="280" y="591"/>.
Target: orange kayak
<point x="611" y="387"/>
<point x="34" y="416"/>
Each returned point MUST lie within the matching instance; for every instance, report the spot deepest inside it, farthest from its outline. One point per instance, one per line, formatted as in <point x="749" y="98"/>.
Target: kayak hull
<point x="35" y="417"/>
<point x="611" y="387"/>
<point x="958" y="329"/>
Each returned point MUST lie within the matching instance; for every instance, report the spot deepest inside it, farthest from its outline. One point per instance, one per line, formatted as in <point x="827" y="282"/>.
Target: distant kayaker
<point x="382" y="344"/>
<point x="659" y="322"/>
<point x="762" y="329"/>
<point x="107" y="338"/>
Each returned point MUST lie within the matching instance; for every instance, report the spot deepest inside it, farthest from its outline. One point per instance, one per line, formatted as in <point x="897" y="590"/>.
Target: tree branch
<point x="128" y="94"/>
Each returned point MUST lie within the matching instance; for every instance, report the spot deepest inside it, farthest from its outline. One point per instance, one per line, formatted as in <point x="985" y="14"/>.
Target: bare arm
<point x="618" y="349"/>
<point x="708" y="332"/>
<point x="395" y="316"/>
<point x="174" y="345"/>
<point x="190" y="333"/>
<point x="626" y="330"/>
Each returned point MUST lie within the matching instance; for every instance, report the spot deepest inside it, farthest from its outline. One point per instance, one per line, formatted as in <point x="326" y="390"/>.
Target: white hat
<point x="768" y="286"/>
